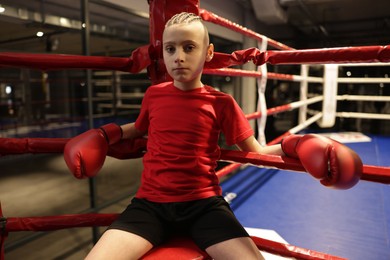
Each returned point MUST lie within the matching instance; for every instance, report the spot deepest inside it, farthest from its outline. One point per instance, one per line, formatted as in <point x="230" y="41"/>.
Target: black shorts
<point x="207" y="221"/>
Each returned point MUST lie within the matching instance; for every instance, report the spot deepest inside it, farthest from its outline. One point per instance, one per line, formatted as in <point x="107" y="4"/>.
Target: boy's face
<point x="185" y="50"/>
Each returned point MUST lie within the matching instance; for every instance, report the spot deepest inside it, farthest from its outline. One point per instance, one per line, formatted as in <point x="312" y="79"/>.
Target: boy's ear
<point x="210" y="52"/>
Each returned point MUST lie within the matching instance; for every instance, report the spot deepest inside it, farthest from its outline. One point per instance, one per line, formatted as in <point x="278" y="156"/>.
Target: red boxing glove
<point x="333" y="163"/>
<point x="85" y="154"/>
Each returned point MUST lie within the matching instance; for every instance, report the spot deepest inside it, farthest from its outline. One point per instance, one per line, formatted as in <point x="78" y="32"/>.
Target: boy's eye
<point x="189" y="48"/>
<point x="170" y="49"/>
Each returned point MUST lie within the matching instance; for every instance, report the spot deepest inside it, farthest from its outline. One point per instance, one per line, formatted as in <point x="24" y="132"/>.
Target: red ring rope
<point x="220" y="60"/>
<point x="211" y="17"/>
<point x="50" y="223"/>
<point x="56" y="145"/>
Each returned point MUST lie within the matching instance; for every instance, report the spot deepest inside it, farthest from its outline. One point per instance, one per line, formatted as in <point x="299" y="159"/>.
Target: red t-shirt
<point x="183" y="132"/>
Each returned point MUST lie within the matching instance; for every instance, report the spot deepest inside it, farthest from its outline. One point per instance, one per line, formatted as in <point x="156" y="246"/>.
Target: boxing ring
<point x="273" y="169"/>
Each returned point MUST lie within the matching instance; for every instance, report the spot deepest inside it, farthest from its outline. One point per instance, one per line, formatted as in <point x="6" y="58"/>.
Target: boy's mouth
<point x="179" y="69"/>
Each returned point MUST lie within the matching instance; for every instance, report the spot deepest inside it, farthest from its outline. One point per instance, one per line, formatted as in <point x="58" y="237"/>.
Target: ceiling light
<point x="8" y="90"/>
<point x="40" y="34"/>
<point x="2" y="9"/>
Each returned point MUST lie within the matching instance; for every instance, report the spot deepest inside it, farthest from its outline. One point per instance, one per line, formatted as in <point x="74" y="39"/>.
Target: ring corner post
<point x="302" y="114"/>
<point x="329" y="105"/>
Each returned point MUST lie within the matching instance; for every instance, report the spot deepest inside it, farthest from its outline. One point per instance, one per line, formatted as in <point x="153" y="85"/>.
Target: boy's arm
<point x="333" y="163"/>
<point x="252" y="145"/>
<point x="129" y="131"/>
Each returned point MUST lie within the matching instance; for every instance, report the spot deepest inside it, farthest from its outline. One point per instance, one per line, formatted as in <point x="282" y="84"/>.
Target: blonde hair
<point x="183" y="18"/>
<point x="187" y="18"/>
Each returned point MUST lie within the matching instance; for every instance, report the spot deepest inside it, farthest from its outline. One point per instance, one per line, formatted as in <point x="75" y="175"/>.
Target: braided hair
<point x="183" y="18"/>
<point x="187" y="18"/>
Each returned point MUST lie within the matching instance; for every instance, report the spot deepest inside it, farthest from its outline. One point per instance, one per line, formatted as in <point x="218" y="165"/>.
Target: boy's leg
<point x="136" y="230"/>
<point x="220" y="234"/>
<point x="236" y="248"/>
<point x="118" y="244"/>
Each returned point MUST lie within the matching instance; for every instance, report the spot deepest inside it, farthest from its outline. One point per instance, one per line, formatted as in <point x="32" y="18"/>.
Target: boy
<point x="179" y="191"/>
<point x="182" y="154"/>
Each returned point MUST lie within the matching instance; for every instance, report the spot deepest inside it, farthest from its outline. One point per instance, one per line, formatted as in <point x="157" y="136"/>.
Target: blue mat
<point x="353" y="223"/>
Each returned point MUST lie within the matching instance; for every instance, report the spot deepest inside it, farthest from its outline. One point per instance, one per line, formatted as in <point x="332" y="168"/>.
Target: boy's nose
<point x="179" y="57"/>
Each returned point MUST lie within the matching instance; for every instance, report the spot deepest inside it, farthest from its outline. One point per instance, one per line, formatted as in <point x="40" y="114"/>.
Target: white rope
<point x="365" y="64"/>
<point x="299" y="78"/>
<point x="306" y="102"/>
<point x="305" y="124"/>
<point x="363" y="80"/>
<point x="363" y="98"/>
<point x="363" y="115"/>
